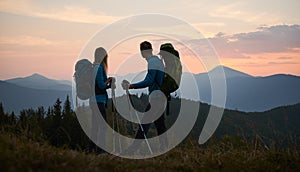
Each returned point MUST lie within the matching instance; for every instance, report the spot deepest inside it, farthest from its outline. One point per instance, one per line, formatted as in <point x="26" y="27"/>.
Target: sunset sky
<point x="257" y="37"/>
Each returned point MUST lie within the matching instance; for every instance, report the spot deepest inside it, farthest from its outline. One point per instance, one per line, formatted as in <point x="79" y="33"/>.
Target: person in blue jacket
<point x="99" y="100"/>
<point x="153" y="80"/>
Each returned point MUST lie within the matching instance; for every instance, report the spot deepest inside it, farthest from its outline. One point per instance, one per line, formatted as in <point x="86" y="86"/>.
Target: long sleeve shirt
<point x="100" y="80"/>
<point x="154" y="77"/>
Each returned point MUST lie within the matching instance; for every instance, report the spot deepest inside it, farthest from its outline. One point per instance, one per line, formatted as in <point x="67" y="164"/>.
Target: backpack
<point x="173" y="69"/>
<point x="83" y="79"/>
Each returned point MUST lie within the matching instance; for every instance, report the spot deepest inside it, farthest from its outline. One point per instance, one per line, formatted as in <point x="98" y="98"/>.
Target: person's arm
<point x="100" y="81"/>
<point x="149" y="79"/>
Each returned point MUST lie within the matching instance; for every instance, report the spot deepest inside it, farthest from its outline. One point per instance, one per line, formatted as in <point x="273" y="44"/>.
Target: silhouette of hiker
<point x="98" y="102"/>
<point x="153" y="81"/>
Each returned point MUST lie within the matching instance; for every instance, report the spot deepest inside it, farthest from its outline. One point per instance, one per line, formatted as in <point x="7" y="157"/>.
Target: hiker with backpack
<point x="173" y="71"/>
<point x="99" y="99"/>
<point x="91" y="83"/>
<point x="153" y="81"/>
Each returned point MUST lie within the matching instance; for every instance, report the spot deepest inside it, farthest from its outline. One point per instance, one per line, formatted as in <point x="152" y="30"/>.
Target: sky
<point x="257" y="37"/>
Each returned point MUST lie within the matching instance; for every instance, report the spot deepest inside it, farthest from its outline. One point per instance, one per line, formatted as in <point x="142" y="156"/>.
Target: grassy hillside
<point x="52" y="140"/>
<point x="228" y="154"/>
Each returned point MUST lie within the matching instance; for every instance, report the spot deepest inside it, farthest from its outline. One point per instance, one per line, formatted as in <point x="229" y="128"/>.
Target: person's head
<point x="166" y="49"/>
<point x="168" y="53"/>
<point x="101" y="57"/>
<point x="146" y="49"/>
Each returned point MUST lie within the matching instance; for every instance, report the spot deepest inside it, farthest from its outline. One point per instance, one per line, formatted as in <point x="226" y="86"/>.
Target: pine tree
<point x="41" y="113"/>
<point x="2" y="115"/>
<point x="55" y="127"/>
<point x="22" y="122"/>
<point x="68" y="122"/>
<point x="57" y="115"/>
<point x="67" y="107"/>
<point x="12" y="119"/>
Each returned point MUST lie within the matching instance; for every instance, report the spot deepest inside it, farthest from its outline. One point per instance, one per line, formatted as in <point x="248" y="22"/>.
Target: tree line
<point x="57" y="125"/>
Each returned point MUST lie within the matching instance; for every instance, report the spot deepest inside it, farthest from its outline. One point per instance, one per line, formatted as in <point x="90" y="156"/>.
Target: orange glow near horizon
<point x="47" y="38"/>
<point x="56" y="59"/>
<point x="60" y="65"/>
<point x="266" y="64"/>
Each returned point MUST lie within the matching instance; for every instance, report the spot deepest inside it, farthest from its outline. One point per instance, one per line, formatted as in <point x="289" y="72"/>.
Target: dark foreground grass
<point x="228" y="154"/>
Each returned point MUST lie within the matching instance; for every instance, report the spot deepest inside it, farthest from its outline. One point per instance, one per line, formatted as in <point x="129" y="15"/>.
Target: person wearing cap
<point x="153" y="80"/>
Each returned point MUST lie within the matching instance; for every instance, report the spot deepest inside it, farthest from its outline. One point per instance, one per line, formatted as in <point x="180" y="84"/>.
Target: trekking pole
<point x="112" y="116"/>
<point x="118" y="128"/>
<point x="115" y="112"/>
<point x="129" y="103"/>
<point x="113" y="126"/>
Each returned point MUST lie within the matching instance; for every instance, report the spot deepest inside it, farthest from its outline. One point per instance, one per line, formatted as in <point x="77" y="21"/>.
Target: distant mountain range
<point x="40" y="82"/>
<point x="244" y="92"/>
<point x="32" y="92"/>
<point x="16" y="98"/>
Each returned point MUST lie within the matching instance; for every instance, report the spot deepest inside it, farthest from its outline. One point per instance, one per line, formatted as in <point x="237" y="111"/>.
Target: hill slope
<point x="227" y="155"/>
<point x="16" y="98"/>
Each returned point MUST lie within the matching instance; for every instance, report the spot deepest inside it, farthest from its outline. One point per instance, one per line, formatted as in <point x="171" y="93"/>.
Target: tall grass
<point x="227" y="154"/>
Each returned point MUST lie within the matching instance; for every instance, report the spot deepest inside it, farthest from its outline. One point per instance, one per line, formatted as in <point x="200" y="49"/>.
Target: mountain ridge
<point x="229" y="72"/>
<point x="225" y="68"/>
<point x="244" y="92"/>
<point x="38" y="81"/>
<point x="16" y="98"/>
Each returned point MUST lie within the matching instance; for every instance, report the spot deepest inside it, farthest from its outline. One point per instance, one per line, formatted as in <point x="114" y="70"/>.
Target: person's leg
<point x="142" y="131"/>
<point x="141" y="134"/>
<point x="159" y="124"/>
<point x="94" y="127"/>
<point x="102" y="126"/>
<point x="161" y="128"/>
<point x="159" y="105"/>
